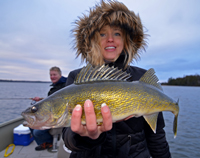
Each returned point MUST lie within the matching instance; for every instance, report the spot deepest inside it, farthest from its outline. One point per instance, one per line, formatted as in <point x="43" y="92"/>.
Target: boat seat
<point x="56" y="133"/>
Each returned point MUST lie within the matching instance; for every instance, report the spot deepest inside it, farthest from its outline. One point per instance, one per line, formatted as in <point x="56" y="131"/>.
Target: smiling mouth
<point x="107" y="48"/>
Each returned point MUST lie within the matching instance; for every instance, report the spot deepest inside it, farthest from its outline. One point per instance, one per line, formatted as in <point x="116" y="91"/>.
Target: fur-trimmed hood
<point x="111" y="13"/>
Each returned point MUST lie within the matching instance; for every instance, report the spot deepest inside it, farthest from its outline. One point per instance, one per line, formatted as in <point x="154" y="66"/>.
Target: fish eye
<point x="33" y="109"/>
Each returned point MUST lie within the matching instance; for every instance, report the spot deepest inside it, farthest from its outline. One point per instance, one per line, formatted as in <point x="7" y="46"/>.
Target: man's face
<point x="54" y="76"/>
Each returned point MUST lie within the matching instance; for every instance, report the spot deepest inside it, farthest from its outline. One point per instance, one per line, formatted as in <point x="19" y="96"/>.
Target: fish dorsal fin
<point x="150" y="78"/>
<point x="100" y="73"/>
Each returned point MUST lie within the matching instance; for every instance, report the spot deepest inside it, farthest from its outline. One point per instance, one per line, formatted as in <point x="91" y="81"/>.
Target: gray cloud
<point x="35" y="35"/>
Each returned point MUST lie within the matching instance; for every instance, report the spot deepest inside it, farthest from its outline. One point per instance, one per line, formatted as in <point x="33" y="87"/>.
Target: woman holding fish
<point x="113" y="35"/>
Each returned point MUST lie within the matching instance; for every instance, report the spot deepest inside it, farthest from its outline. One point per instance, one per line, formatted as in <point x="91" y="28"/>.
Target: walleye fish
<point x="104" y="84"/>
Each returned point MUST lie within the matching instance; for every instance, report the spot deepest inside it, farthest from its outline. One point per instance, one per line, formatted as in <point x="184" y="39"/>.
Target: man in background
<point x="43" y="138"/>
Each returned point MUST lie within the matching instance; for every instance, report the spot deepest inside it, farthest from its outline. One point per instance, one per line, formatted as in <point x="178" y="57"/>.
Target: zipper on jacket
<point x="129" y="136"/>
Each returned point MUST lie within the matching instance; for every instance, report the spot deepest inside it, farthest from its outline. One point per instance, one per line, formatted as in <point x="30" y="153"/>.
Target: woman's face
<point x="111" y="42"/>
<point x="54" y="76"/>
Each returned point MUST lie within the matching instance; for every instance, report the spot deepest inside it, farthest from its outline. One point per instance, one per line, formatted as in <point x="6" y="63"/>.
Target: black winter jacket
<point x="127" y="139"/>
<point x="58" y="85"/>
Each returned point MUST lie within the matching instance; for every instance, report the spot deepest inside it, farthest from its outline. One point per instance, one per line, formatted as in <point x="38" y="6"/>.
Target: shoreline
<point x="24" y="81"/>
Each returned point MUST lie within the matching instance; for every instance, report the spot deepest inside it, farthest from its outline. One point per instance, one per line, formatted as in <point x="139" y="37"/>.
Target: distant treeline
<point x="192" y="80"/>
<point x="1" y="80"/>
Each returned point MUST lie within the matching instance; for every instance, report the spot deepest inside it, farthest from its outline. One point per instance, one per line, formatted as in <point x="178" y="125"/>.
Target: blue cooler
<point x="22" y="135"/>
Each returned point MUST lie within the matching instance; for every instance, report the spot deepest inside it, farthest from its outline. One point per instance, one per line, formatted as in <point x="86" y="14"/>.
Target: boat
<point x="7" y="138"/>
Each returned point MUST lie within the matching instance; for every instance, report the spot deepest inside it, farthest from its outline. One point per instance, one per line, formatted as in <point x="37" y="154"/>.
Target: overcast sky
<point x="35" y="35"/>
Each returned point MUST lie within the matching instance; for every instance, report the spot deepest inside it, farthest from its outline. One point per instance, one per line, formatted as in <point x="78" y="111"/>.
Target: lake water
<point x="187" y="142"/>
<point x="12" y="108"/>
<point x="185" y="145"/>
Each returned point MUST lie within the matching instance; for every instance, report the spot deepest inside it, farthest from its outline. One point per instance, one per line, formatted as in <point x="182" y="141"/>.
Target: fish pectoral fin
<point x="63" y="120"/>
<point x="152" y="121"/>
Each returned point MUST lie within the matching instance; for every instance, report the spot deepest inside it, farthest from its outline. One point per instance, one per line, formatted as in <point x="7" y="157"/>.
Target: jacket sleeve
<point x="157" y="143"/>
<point x="71" y="77"/>
<point x="75" y="142"/>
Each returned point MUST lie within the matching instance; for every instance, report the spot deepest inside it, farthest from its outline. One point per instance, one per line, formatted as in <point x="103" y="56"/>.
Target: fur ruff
<point x="111" y="13"/>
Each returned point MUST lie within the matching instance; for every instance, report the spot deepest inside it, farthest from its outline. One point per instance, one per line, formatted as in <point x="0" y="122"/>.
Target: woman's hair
<point x="55" y="68"/>
<point x="112" y="13"/>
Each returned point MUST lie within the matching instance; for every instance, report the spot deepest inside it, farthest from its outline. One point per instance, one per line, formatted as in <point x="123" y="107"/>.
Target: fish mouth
<point x="26" y="124"/>
<point x="29" y="120"/>
<point x="34" y="122"/>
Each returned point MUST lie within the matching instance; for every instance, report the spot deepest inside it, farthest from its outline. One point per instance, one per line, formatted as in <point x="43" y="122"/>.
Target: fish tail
<point x="175" y="125"/>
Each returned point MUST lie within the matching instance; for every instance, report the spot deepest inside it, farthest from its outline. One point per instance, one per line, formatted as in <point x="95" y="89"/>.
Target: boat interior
<point x="28" y="151"/>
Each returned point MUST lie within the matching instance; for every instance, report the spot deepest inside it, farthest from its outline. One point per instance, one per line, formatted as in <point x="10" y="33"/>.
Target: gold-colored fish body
<point x="123" y="98"/>
<point x="139" y="98"/>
